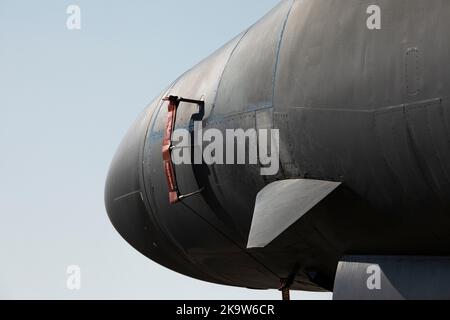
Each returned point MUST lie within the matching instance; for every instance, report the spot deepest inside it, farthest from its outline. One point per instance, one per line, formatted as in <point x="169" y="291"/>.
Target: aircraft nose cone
<point x="124" y="199"/>
<point x="125" y="202"/>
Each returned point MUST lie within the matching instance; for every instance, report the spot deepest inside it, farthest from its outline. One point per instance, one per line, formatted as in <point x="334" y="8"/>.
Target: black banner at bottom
<point x="245" y="310"/>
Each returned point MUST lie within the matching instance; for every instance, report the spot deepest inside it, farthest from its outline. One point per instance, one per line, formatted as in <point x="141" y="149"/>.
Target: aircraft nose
<point x="124" y="198"/>
<point x="125" y="202"/>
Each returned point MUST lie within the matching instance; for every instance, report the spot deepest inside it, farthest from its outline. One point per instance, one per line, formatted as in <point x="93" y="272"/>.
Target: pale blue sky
<point x="66" y="100"/>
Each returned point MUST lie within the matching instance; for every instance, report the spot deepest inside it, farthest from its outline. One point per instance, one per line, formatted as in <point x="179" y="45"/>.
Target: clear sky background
<point x="66" y="100"/>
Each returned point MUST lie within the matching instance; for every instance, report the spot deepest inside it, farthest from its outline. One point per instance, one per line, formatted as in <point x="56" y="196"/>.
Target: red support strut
<point x="166" y="149"/>
<point x="169" y="169"/>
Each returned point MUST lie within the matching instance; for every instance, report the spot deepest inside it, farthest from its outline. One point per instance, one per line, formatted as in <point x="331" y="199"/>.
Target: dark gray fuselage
<point x="368" y="108"/>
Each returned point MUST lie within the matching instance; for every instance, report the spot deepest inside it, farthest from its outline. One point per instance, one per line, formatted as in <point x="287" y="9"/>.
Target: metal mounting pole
<point x="285" y="289"/>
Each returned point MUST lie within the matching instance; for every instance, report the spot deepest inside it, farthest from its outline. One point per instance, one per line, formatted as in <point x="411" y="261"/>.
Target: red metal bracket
<point x="167" y="146"/>
<point x="285" y="288"/>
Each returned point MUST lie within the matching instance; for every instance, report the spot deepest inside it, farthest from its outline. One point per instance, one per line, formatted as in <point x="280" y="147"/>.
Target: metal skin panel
<point x="349" y="109"/>
<point x="247" y="82"/>
<point x="199" y="231"/>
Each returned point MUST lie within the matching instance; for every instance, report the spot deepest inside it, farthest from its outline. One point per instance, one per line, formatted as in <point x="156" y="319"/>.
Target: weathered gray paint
<point x="349" y="109"/>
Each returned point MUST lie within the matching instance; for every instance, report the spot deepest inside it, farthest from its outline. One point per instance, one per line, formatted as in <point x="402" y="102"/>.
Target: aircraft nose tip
<point x="126" y="205"/>
<point x="124" y="199"/>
